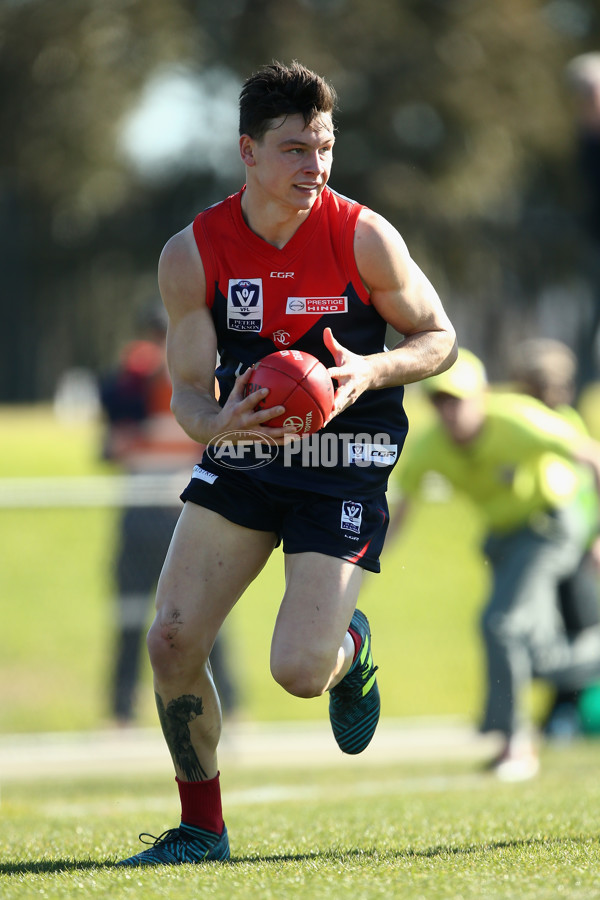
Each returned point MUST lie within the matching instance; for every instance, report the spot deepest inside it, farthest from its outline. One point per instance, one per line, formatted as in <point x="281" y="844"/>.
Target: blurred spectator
<point x="143" y="437"/>
<point x="547" y="369"/>
<point x="515" y="459"/>
<point x="583" y="78"/>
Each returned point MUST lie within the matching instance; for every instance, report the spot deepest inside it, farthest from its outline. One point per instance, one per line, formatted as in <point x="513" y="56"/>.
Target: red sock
<point x="201" y="803"/>
<point x="357" y="641"/>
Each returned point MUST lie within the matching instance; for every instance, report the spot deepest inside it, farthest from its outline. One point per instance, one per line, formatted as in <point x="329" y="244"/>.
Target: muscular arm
<point x="192" y="352"/>
<point x="407" y="301"/>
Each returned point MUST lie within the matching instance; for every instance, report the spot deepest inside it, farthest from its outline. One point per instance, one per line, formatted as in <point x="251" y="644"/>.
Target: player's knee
<point x="173" y="654"/>
<point x="301" y="677"/>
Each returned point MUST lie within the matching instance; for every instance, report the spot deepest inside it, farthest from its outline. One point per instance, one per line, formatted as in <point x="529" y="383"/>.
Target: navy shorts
<point x="349" y="528"/>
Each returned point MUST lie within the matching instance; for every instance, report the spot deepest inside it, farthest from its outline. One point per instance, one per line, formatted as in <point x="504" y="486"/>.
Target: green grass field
<point x="417" y="831"/>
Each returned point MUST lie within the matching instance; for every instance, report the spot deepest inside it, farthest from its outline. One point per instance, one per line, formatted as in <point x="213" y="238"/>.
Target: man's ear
<point x="247" y="150"/>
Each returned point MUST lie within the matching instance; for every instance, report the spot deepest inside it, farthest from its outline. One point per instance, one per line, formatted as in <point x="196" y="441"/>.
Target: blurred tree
<point x="72" y="216"/>
<point x="454" y="123"/>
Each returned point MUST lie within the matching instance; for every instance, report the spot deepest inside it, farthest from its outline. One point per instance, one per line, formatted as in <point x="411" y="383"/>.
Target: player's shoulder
<point x="371" y="222"/>
<point x="182" y="247"/>
<point x="180" y="252"/>
<point x="376" y="235"/>
<point x="370" y="225"/>
<point x="180" y="269"/>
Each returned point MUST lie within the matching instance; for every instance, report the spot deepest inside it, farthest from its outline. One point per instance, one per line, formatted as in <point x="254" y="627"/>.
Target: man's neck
<point x="273" y="222"/>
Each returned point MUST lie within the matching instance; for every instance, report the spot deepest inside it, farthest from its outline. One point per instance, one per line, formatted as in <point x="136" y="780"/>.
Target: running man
<point x="286" y="263"/>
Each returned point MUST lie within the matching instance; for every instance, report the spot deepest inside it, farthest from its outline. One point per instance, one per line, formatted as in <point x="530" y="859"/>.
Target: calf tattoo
<point x="175" y="721"/>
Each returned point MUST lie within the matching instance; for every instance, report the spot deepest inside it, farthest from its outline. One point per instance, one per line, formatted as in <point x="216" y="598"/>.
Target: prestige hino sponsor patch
<point x="245" y="304"/>
<point x="316" y="306"/>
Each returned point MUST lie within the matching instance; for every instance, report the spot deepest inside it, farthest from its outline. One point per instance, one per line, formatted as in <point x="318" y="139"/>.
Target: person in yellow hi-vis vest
<point x="546" y="368"/>
<point x="520" y="463"/>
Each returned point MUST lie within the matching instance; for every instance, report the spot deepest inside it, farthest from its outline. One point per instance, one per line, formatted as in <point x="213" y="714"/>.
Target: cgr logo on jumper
<point x="378" y="454"/>
<point x="351" y="516"/>
<point x="245" y="304"/>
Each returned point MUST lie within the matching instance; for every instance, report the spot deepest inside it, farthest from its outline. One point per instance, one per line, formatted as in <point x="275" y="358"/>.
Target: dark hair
<point x="280" y="90"/>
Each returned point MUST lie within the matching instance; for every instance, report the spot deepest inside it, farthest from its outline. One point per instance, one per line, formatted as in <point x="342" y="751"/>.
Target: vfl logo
<point x="351" y="516"/>
<point x="245" y="304"/>
<point x="281" y="337"/>
<point x="244" y="295"/>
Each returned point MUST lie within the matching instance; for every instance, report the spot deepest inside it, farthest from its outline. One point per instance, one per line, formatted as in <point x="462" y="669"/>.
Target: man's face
<point x="462" y="417"/>
<point x="291" y="163"/>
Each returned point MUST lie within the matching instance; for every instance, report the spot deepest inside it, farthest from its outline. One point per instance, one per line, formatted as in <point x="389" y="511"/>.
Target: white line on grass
<point x="268" y="794"/>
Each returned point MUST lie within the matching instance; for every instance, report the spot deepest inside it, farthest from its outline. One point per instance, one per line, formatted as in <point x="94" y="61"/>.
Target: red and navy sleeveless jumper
<point x="264" y="299"/>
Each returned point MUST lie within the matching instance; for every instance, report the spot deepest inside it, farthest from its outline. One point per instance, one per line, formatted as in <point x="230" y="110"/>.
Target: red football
<point x="298" y="381"/>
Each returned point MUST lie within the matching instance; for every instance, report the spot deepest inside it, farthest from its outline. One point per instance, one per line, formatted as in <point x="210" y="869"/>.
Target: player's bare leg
<point x="210" y="563"/>
<point x="311" y="649"/>
<point x="322" y="642"/>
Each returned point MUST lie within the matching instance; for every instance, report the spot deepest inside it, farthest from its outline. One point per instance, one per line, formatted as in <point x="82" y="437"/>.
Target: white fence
<point x="91" y="491"/>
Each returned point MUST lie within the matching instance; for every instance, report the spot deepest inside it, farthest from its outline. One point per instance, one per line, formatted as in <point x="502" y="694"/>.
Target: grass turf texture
<point x="421" y="831"/>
